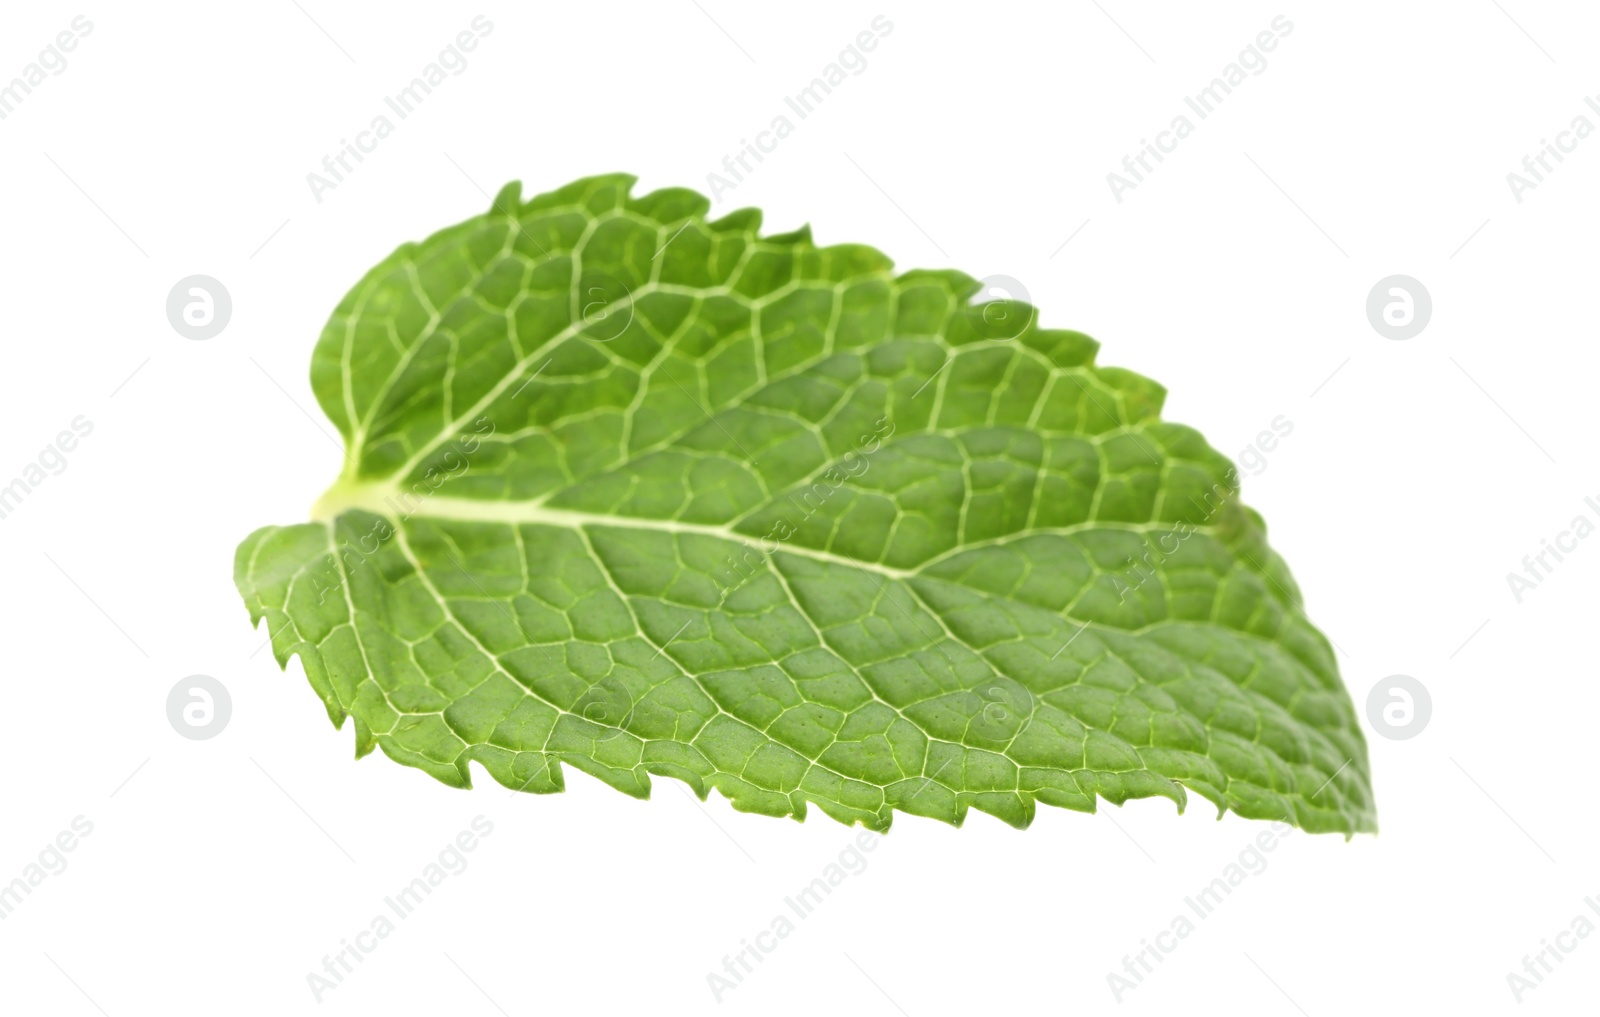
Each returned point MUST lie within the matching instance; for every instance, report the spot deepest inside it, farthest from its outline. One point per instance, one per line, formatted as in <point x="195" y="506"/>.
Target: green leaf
<point x="648" y="494"/>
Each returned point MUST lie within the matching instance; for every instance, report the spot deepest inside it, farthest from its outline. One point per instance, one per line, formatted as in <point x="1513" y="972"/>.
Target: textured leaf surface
<point x="650" y="495"/>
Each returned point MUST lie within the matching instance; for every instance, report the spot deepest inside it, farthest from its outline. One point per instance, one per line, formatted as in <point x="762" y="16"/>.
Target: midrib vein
<point x="384" y="500"/>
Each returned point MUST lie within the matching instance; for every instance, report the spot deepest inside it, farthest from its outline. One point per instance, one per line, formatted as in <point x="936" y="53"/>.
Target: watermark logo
<point x="1399" y="707"/>
<point x="1159" y="549"/>
<point x="1251" y="62"/>
<point x="1253" y="457"/>
<point x="1399" y="307"/>
<point x="51" y="861"/>
<point x="1542" y="963"/>
<point x="749" y="560"/>
<point x="605" y="306"/>
<point x="451" y="62"/>
<point x="51" y="462"/>
<point x="451" y="860"/>
<point x="52" y="59"/>
<point x="198" y="307"/>
<point x="852" y="861"/>
<point x="1535" y="168"/>
<point x="1251" y="861"/>
<point x="851" y="62"/>
<point x="1538" y="567"/>
<point x="1005" y="311"/>
<point x="199" y="707"/>
<point x="450" y="462"/>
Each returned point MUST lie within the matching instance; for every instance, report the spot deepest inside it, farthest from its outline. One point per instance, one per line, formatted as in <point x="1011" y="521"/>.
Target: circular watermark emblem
<point x="605" y="307"/>
<point x="198" y="707"/>
<point x="1399" y="307"/>
<point x="1000" y="309"/>
<point x="199" y="307"/>
<point x="998" y="708"/>
<point x="1399" y="707"/>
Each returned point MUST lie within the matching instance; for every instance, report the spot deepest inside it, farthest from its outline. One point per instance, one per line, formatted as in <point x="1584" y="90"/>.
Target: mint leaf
<point x="650" y="495"/>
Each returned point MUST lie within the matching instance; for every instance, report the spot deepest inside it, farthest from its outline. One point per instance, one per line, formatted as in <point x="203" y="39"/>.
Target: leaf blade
<point x="781" y="523"/>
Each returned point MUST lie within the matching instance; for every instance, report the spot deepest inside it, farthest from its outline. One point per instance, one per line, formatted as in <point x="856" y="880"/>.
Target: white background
<point x="1376" y="141"/>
